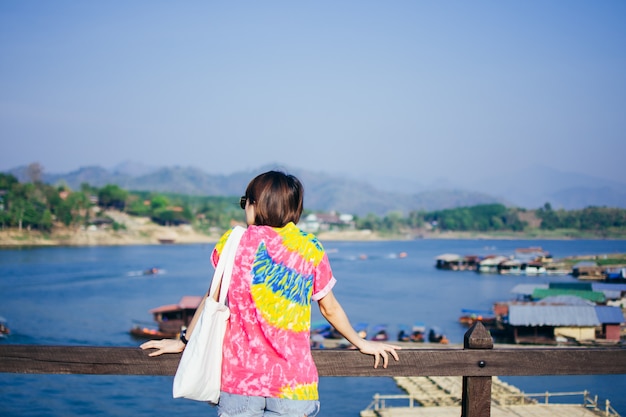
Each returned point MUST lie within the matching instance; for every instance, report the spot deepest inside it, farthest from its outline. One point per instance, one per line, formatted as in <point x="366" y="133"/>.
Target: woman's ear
<point x="250" y="213"/>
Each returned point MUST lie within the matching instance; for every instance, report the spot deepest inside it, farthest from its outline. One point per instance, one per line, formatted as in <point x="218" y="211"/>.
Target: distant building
<point x="323" y="222"/>
<point x="559" y="312"/>
<point x="552" y="323"/>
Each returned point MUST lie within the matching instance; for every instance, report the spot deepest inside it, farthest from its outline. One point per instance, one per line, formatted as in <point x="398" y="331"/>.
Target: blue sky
<point x="423" y="90"/>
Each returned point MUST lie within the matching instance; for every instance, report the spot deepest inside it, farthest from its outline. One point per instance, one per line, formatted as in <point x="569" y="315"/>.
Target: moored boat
<point x="169" y="319"/>
<point x="380" y="332"/>
<point x="469" y="317"/>
<point x="4" y="328"/>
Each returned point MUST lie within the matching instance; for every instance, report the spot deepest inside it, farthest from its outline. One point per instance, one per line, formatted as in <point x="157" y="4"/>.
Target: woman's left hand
<point x="163" y="346"/>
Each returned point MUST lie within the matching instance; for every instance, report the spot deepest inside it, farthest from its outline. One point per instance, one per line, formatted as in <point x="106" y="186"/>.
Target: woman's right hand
<point x="379" y="350"/>
<point x="163" y="346"/>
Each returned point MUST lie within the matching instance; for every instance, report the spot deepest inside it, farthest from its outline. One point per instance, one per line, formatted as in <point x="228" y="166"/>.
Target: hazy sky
<point x="417" y="89"/>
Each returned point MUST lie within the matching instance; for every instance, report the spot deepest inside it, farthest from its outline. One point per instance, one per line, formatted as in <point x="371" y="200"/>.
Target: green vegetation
<point x="600" y="220"/>
<point x="38" y="206"/>
<point x="480" y="218"/>
<point x="499" y="220"/>
<point x="483" y="218"/>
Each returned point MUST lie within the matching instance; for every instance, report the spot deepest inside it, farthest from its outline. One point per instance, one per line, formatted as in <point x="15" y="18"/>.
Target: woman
<point x="267" y="366"/>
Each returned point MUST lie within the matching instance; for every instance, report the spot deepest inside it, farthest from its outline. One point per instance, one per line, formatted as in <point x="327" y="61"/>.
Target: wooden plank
<point x="497" y="362"/>
<point x="36" y="359"/>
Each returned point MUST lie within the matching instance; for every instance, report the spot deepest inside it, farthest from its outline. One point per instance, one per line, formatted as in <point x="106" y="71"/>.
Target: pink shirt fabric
<point x="267" y="351"/>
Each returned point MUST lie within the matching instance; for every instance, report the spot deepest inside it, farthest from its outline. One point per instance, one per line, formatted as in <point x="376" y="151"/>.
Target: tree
<point x="7" y="181"/>
<point x="112" y="196"/>
<point x="159" y="202"/>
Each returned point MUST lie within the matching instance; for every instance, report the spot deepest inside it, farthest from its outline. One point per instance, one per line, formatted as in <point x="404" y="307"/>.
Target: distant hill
<point x="322" y="191"/>
<point x="534" y="186"/>
<point x="530" y="188"/>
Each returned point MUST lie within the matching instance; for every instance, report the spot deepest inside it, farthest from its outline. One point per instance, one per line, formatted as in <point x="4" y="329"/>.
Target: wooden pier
<point x="442" y="396"/>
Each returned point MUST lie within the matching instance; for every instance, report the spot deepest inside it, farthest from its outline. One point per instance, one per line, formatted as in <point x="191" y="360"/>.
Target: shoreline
<point x="180" y="235"/>
<point x="142" y="231"/>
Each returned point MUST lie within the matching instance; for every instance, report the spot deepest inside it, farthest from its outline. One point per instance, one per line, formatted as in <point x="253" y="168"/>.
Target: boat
<point x="380" y="333"/>
<point x="324" y="329"/>
<point x="4" y="328"/>
<point x="616" y="274"/>
<point x="153" y="271"/>
<point x="417" y="332"/>
<point x="169" y="319"/>
<point x="469" y="317"/>
<point x="435" y="335"/>
<point x="412" y="334"/>
<point x="404" y="335"/>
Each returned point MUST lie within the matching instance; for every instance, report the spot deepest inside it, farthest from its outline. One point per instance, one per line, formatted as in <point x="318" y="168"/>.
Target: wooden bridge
<point x="477" y="362"/>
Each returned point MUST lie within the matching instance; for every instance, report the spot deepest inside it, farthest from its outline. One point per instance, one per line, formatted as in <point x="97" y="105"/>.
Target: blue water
<point x="92" y="296"/>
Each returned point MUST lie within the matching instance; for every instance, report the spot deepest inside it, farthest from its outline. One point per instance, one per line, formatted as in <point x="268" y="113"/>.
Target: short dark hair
<point x="277" y="198"/>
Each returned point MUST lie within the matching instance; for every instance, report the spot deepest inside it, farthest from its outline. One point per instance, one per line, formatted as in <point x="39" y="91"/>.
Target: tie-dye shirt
<point x="277" y="272"/>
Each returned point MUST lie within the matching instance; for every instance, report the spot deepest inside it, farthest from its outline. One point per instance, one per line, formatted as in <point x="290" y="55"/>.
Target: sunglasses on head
<point x="242" y="202"/>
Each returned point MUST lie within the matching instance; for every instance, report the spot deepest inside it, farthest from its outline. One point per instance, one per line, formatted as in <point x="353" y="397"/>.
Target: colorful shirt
<point x="277" y="272"/>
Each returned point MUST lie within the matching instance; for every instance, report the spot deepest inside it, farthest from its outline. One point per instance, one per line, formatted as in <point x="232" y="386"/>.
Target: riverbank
<point x="133" y="230"/>
<point x="130" y="231"/>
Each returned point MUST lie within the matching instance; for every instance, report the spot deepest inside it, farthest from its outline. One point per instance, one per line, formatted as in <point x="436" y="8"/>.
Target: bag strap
<point x="224" y="268"/>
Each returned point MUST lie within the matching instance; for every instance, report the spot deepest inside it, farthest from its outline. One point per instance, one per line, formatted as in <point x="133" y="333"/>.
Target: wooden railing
<point x="477" y="362"/>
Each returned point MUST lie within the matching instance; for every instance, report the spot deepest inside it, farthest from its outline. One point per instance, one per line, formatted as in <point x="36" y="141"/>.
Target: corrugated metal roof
<point x="190" y="301"/>
<point x="612" y="295"/>
<point x="571" y="300"/>
<point x="552" y="315"/>
<point x="580" y="286"/>
<point x="493" y="261"/>
<point x="601" y="286"/>
<point x="527" y="289"/>
<point x="186" y="302"/>
<point x="608" y="314"/>
<point x="448" y="257"/>
<point x="595" y="296"/>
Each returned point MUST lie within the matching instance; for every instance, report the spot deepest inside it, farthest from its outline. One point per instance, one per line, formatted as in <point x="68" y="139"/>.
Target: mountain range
<point x="530" y="188"/>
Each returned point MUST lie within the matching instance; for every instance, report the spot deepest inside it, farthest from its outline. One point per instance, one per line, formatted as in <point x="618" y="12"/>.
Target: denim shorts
<point x="232" y="405"/>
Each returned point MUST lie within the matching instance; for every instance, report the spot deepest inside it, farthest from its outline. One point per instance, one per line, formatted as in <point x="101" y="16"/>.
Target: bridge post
<point x="476" y="400"/>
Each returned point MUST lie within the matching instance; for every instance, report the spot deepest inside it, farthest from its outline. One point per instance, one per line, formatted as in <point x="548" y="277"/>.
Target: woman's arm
<point x="336" y="316"/>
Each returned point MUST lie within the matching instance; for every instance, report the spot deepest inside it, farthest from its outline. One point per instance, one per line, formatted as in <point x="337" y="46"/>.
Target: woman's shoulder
<point x="298" y="240"/>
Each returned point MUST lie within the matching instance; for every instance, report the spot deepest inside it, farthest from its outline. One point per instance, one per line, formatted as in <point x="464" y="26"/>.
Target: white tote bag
<point x="199" y="372"/>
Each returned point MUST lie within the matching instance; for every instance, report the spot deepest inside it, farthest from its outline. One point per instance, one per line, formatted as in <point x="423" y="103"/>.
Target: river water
<point x="93" y="295"/>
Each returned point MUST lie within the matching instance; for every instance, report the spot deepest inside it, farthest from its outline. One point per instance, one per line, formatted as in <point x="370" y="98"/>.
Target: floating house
<point x="169" y="319"/>
<point x="587" y="290"/>
<point x="510" y="267"/>
<point x="588" y="270"/>
<point x="491" y="264"/>
<point x="533" y="268"/>
<point x="525" y="261"/>
<point x="563" y="312"/>
<point x="596" y="297"/>
<point x="454" y="262"/>
<point x="542" y="323"/>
